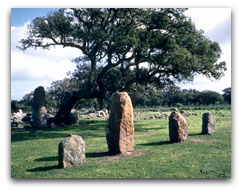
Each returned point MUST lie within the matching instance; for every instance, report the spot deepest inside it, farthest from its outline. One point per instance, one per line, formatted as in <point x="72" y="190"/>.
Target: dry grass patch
<point x="204" y="140"/>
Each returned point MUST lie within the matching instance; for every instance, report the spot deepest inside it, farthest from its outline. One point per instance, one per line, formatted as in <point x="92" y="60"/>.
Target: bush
<point x="179" y="105"/>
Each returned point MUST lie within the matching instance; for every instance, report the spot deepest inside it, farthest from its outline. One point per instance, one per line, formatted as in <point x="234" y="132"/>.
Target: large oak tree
<point x="142" y="46"/>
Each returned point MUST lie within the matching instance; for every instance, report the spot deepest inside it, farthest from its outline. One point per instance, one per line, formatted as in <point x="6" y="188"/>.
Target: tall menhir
<point x="120" y="127"/>
<point x="39" y="109"/>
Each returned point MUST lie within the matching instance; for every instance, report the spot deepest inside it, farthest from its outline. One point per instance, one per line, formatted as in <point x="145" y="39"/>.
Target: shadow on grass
<point x="142" y="128"/>
<point x="194" y="134"/>
<point x="54" y="158"/>
<point x="48" y="168"/>
<point x="87" y="129"/>
<point x="88" y="155"/>
<point x="157" y="143"/>
<point x="97" y="154"/>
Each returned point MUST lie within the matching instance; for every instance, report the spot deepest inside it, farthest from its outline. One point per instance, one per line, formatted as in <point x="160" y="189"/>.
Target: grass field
<point x="34" y="152"/>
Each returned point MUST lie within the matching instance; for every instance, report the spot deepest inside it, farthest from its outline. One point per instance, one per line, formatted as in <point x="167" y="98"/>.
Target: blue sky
<point x="20" y="15"/>
<point x="33" y="68"/>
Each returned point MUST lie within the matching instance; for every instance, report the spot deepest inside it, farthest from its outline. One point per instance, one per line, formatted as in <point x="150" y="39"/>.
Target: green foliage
<point x="173" y="96"/>
<point x="139" y="46"/>
<point x="209" y="97"/>
<point x="227" y="95"/>
<point x="27" y="101"/>
<point x="179" y="105"/>
<point x="14" y="107"/>
<point x="57" y="91"/>
<point x="87" y="103"/>
<point x="34" y="152"/>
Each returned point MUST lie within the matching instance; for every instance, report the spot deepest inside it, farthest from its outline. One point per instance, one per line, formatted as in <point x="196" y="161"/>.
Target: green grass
<point x="34" y="152"/>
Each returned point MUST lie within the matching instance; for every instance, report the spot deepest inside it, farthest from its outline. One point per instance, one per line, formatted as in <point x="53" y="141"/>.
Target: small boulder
<point x="101" y="113"/>
<point x="71" y="151"/>
<point x="19" y="115"/>
<point x="208" y="126"/>
<point x="178" y="128"/>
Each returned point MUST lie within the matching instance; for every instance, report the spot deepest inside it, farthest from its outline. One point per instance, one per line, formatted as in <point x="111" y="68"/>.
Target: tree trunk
<point x="63" y="114"/>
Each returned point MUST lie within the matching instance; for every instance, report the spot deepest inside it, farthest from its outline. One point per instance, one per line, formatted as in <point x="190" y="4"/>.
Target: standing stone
<point x="178" y="128"/>
<point x="71" y="151"/>
<point x="208" y="126"/>
<point x="39" y="109"/>
<point x="120" y="127"/>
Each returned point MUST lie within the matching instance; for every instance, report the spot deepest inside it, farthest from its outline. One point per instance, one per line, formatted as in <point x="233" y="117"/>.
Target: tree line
<point x="177" y="97"/>
<point x="148" y="96"/>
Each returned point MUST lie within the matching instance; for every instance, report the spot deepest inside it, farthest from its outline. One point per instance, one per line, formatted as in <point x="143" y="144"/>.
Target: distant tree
<point x="191" y="96"/>
<point x="209" y="97"/>
<point x="14" y="107"/>
<point x="227" y="95"/>
<point x="171" y="95"/>
<point x="146" y="95"/>
<point x="58" y="89"/>
<point x="27" y="99"/>
<point x="146" y="45"/>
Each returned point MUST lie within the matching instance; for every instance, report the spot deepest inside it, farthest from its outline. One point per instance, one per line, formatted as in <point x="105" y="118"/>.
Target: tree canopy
<point x="227" y="95"/>
<point x="136" y="46"/>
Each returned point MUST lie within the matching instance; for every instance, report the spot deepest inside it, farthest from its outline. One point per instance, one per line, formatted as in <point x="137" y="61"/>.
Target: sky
<point x="33" y="68"/>
<point x="19" y="16"/>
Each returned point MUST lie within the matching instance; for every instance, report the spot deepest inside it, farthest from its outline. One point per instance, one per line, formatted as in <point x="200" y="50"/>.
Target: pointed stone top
<point x="39" y="97"/>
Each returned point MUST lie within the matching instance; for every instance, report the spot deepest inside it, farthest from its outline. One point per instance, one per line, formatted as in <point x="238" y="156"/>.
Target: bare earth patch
<point x="204" y="140"/>
<point x="123" y="156"/>
<point x="114" y="158"/>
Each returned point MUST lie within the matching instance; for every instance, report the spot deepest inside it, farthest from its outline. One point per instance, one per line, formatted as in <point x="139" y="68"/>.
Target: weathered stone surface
<point x="178" y="128"/>
<point x="104" y="114"/>
<point x="120" y="127"/>
<point x="208" y="126"/>
<point x="38" y="109"/>
<point x="19" y="115"/>
<point x="39" y="99"/>
<point x="71" y="151"/>
<point x="101" y="113"/>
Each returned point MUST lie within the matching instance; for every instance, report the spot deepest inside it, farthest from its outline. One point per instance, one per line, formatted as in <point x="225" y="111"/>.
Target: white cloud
<point x="18" y="33"/>
<point x="37" y="65"/>
<point x="28" y="67"/>
<point x="208" y="18"/>
<point x="221" y="32"/>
